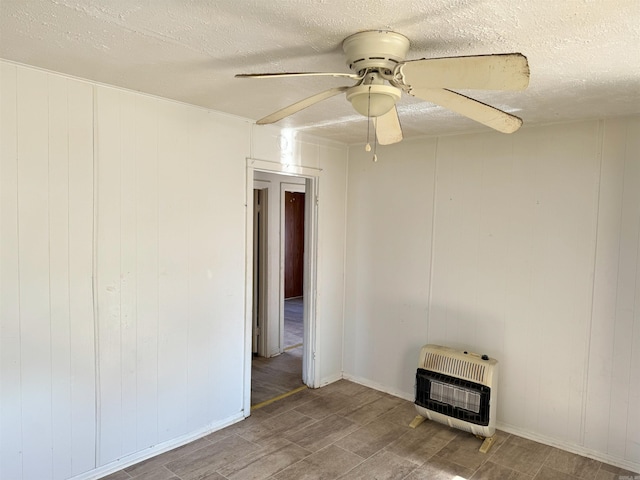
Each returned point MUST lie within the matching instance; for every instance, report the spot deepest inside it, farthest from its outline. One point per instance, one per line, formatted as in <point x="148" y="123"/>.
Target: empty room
<point x="319" y="239"/>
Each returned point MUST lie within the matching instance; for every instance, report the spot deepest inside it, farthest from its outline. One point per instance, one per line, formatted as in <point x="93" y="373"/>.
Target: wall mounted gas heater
<point x="459" y="389"/>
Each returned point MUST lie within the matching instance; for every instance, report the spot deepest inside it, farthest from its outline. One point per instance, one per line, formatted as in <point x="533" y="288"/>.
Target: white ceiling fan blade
<point x="298" y="74"/>
<point x="484" y="72"/>
<point x="473" y="109"/>
<point x="388" y="129"/>
<point x="301" y="105"/>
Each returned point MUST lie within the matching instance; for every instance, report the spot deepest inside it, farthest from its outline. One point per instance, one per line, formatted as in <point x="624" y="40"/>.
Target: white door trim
<point x="310" y="364"/>
<point x="286" y="187"/>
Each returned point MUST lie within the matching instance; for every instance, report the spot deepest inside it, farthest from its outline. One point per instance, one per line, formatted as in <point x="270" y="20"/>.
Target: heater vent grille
<point x="453" y="397"/>
<point x="454" y="367"/>
<point x="457" y="397"/>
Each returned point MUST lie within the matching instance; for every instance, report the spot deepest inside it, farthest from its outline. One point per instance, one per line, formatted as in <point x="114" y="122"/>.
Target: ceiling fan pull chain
<point x="375" y="145"/>
<point x="367" y="147"/>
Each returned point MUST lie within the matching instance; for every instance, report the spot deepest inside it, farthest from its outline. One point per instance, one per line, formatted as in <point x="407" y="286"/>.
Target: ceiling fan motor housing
<point x="375" y="49"/>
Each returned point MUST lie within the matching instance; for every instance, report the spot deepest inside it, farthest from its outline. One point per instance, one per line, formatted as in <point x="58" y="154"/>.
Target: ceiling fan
<point x="377" y="58"/>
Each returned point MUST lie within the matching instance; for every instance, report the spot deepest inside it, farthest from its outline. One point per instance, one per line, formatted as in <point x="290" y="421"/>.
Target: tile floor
<point x="293" y="321"/>
<point x="274" y="376"/>
<point x="348" y="431"/>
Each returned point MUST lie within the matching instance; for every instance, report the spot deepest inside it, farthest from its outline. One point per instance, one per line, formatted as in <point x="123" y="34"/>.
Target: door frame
<point x="259" y="312"/>
<point x="310" y="360"/>
<point x="298" y="188"/>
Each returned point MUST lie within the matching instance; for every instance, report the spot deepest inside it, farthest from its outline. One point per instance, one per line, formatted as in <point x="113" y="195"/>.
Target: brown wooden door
<point x="293" y="244"/>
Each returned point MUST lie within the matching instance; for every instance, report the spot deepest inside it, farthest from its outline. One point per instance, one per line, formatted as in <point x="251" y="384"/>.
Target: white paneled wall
<point x="388" y="262"/>
<point x="122" y="270"/>
<point x="514" y="242"/>
<point x="613" y="390"/>
<point x="170" y="293"/>
<point x="47" y="374"/>
<point x="332" y="201"/>
<point x="534" y="260"/>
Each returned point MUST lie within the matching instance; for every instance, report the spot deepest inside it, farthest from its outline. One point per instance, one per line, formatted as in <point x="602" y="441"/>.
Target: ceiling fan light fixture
<point x="373" y="100"/>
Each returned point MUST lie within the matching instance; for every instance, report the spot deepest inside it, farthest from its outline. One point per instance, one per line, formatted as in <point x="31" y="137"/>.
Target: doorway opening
<point x="293" y="221"/>
<point x="282" y="273"/>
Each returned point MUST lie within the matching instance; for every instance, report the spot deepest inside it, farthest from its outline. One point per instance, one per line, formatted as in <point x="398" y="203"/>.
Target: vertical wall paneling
<point x="80" y="244"/>
<point x="197" y="163"/>
<point x="11" y="439"/>
<point x="627" y="307"/>
<point x="35" y="274"/>
<point x="108" y="285"/>
<point x="59" y="262"/>
<point x="228" y="147"/>
<point x="47" y="340"/>
<point x="613" y="360"/>
<point x="173" y="251"/>
<point x="146" y="270"/>
<point x="170" y="296"/>
<point x="127" y="268"/>
<point x="632" y="448"/>
<point x="332" y="215"/>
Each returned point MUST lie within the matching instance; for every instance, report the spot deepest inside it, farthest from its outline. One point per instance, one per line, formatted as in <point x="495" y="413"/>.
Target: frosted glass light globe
<point x="373" y="100"/>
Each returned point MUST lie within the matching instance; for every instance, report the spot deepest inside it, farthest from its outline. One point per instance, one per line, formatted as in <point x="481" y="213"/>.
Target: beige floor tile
<point x="260" y="464"/>
<point x="154" y="463"/>
<point x="327" y="464"/>
<point x="119" y="475"/>
<point x="437" y="468"/>
<point x="276" y="426"/>
<point x="421" y="443"/>
<point x="522" y="455"/>
<point x="581" y="467"/>
<point x="363" y="414"/>
<point x="289" y="403"/>
<point x="494" y="471"/>
<point x="370" y="438"/>
<point x="160" y="473"/>
<point x="465" y="450"/>
<point x="344" y="387"/>
<point x="207" y="460"/>
<point x="401" y="415"/>
<point x="248" y="423"/>
<point x="325" y="405"/>
<point x="359" y="433"/>
<point x="611" y="472"/>
<point x="381" y="466"/>
<point x="322" y="433"/>
<point x="548" y="473"/>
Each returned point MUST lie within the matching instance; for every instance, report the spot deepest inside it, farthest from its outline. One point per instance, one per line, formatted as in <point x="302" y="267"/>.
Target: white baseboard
<point x="377" y="386"/>
<point x="330" y="379"/>
<point x="569" y="447"/>
<point x="150" y="452"/>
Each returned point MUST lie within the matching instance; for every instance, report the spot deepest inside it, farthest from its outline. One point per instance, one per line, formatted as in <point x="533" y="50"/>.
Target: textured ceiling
<point x="584" y="55"/>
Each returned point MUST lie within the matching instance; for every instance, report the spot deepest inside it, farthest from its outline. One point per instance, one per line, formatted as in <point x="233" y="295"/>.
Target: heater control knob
<point x="485" y="357"/>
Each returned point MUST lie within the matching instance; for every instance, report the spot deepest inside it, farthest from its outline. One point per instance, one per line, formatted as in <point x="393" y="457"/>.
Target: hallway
<point x="272" y="377"/>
